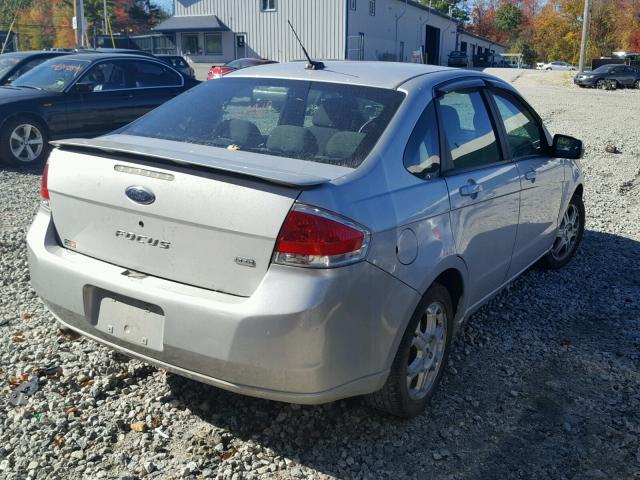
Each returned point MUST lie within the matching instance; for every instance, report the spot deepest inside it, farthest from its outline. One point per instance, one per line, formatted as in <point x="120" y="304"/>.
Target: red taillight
<point x="218" y="72"/>
<point x="317" y="238"/>
<point x="44" y="188"/>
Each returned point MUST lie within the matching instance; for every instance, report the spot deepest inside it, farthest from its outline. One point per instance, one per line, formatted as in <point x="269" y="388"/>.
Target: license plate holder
<point x="126" y="319"/>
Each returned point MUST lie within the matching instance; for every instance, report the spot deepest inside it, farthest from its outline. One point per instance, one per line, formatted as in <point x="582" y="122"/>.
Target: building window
<point x="213" y="43"/>
<point x="401" y="52"/>
<point x="372" y="8"/>
<point x="353" y="4"/>
<point x="268" y="5"/>
<point x="191" y="44"/>
<point x="463" y="47"/>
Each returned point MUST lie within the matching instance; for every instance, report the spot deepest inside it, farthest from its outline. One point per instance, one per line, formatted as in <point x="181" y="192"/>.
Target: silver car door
<point x="484" y="190"/>
<point x="542" y="179"/>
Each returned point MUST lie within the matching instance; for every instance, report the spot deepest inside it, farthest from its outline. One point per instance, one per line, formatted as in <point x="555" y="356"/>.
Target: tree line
<point x="48" y="23"/>
<point x="550" y="30"/>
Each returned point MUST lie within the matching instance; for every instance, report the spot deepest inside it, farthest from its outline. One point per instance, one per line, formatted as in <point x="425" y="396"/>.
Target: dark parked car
<point x="219" y="72"/>
<point x="179" y="63"/>
<point x="458" y="59"/>
<point x="601" y="77"/>
<point x="82" y="95"/>
<point x="14" y="64"/>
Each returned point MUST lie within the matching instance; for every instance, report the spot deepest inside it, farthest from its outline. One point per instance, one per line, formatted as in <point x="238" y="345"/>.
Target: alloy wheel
<point x="26" y="142"/>
<point x="426" y="352"/>
<point x="567" y="234"/>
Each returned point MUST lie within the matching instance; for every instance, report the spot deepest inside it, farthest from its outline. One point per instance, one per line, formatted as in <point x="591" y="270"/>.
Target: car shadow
<point x="27" y="170"/>
<point x="483" y="422"/>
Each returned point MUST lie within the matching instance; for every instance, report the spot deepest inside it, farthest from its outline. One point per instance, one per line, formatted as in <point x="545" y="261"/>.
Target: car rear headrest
<point x="292" y="140"/>
<point x="343" y="145"/>
<point x="335" y="113"/>
<point x="245" y="133"/>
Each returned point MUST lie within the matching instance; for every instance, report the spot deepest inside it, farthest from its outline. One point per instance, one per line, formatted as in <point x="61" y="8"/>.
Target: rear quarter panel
<point x="408" y="216"/>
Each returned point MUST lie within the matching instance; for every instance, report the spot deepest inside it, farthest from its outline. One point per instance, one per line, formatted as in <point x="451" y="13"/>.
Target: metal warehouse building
<point x="217" y="31"/>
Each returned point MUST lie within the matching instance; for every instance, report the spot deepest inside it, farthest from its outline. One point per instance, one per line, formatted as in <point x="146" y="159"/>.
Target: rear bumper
<point x="304" y="336"/>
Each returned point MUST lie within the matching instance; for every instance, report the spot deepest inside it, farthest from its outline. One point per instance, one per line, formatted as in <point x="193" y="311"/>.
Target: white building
<point x="217" y="31"/>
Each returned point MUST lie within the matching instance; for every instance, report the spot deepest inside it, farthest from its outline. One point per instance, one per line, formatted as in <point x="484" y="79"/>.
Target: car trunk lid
<point x="207" y="227"/>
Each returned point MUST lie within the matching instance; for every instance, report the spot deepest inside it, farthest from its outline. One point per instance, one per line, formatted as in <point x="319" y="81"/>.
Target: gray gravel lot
<point x="544" y="381"/>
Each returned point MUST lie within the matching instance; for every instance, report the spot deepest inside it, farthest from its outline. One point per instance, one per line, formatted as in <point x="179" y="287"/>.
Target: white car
<point x="558" y="66"/>
<point x="306" y="257"/>
<point x="540" y="66"/>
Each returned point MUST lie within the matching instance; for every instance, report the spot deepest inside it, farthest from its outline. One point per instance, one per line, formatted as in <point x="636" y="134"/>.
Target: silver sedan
<point x="306" y="235"/>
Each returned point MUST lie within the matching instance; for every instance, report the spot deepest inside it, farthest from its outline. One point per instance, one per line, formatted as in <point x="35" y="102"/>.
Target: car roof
<point x="34" y="53"/>
<point x="91" y="56"/>
<point x="372" y="74"/>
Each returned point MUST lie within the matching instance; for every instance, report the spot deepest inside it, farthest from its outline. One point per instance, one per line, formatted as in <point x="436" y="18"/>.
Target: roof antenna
<point x="312" y="65"/>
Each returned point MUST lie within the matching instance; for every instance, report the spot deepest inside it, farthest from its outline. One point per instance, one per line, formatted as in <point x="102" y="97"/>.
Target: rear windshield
<point x="7" y="62"/>
<point x="314" y="121"/>
<point x="177" y="62"/>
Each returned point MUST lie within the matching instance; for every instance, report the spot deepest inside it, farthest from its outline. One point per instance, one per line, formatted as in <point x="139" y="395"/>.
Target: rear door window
<point x="468" y="130"/>
<point x="316" y="121"/>
<point x="144" y="74"/>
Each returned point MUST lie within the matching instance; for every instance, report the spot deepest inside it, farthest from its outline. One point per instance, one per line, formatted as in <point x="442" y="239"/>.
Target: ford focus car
<point x="306" y="235"/>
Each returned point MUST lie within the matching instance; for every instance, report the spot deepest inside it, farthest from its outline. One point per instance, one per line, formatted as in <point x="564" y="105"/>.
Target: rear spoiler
<point x="281" y="170"/>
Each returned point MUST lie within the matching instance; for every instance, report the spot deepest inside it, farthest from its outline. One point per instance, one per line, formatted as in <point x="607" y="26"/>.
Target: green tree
<point x="508" y="18"/>
<point x="524" y="47"/>
<point x="456" y="7"/>
<point x="8" y="10"/>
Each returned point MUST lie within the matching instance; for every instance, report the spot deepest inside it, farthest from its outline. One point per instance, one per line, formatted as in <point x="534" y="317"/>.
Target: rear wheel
<point x="23" y="141"/>
<point x="568" y="236"/>
<point x="419" y="363"/>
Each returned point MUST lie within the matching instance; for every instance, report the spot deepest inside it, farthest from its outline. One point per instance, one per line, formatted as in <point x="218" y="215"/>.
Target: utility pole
<point x="104" y="19"/>
<point x="78" y="13"/>
<point x="586" y="23"/>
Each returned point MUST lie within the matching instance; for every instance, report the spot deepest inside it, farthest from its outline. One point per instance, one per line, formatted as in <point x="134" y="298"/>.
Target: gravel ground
<point x="544" y="381"/>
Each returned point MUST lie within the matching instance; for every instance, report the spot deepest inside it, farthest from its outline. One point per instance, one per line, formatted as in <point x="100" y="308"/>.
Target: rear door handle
<point x="531" y="175"/>
<point x="470" y="190"/>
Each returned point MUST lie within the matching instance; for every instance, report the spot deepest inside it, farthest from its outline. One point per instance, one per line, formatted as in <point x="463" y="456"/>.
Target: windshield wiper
<point x="27" y="86"/>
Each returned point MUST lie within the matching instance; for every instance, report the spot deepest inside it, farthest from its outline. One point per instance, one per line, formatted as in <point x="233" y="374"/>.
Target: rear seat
<point x="332" y="116"/>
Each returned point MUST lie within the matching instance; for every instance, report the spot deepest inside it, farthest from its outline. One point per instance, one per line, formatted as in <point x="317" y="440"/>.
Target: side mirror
<point x="83" y="87"/>
<point x="565" y="146"/>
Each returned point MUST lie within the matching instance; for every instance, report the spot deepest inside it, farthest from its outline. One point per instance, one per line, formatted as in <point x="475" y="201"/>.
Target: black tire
<point x="601" y="84"/>
<point x="636" y="85"/>
<point x="552" y="261"/>
<point x="394" y="397"/>
<point x="31" y="156"/>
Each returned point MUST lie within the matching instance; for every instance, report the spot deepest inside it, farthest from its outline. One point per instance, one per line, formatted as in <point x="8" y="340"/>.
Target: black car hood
<point x="9" y="94"/>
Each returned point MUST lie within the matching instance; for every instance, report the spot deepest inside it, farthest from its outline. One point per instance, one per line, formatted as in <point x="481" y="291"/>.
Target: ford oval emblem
<point x="140" y="195"/>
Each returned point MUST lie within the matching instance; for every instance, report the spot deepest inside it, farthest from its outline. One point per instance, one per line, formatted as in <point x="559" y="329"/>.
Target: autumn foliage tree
<point x="551" y="30"/>
<point x="48" y="23"/>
